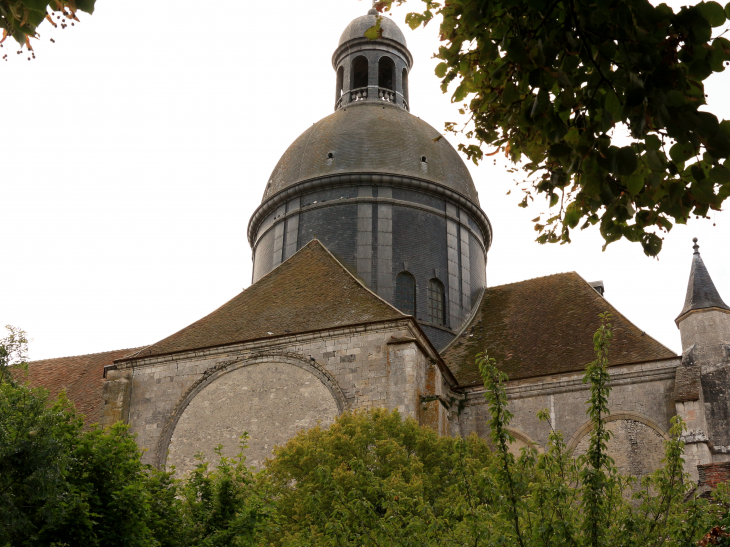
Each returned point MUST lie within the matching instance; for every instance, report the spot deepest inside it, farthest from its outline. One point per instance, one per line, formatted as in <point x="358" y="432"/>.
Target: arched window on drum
<point x="405" y="293"/>
<point x="436" y="302"/>
<point x="359" y="73"/>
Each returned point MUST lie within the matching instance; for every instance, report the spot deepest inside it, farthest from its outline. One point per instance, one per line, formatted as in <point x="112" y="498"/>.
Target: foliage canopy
<point x="557" y="83"/>
<point x="21" y="18"/>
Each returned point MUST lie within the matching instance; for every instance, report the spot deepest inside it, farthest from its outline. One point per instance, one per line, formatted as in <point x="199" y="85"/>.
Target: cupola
<point x="372" y="70"/>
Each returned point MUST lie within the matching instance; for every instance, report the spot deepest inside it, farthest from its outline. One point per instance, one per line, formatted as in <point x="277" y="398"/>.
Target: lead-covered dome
<point x="357" y="28"/>
<point x="372" y="137"/>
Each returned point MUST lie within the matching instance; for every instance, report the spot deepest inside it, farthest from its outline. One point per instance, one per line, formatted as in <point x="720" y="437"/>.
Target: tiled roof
<point x="701" y="291"/>
<point x="310" y="291"/>
<point x="544" y="326"/>
<point x="81" y="376"/>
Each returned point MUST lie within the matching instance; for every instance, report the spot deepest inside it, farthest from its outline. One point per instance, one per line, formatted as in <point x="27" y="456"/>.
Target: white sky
<point x="136" y="147"/>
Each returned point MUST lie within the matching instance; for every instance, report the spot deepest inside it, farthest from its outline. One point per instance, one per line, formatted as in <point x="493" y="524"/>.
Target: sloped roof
<point x="310" y="291"/>
<point x="701" y="291"/>
<point x="81" y="376"/>
<point x="544" y="326"/>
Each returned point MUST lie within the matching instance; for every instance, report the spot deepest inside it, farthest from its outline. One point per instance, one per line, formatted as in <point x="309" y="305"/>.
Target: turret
<point x="372" y="70"/>
<point x="705" y="319"/>
<point x="702" y="382"/>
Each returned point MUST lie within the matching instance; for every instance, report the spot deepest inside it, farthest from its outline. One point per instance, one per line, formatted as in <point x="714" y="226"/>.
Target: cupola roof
<point x="701" y="291"/>
<point x="372" y="138"/>
<point x="356" y="29"/>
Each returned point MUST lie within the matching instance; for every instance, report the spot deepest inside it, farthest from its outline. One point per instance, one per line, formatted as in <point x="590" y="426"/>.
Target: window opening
<point x="405" y="84"/>
<point x="340" y="81"/>
<point x="359" y="72"/>
<point x="386" y="73"/>
<point x="405" y="293"/>
<point x="437" y="302"/>
<point x="423" y="159"/>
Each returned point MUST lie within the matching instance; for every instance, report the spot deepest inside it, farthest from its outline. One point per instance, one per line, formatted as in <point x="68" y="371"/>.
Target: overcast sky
<point x="136" y="147"/>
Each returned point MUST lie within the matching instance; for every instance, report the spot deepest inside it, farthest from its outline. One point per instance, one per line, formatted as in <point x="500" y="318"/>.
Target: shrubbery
<point x="369" y="479"/>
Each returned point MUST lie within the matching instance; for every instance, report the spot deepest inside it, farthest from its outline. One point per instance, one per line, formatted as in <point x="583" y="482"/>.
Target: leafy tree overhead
<point x="21" y="18"/>
<point x="601" y="102"/>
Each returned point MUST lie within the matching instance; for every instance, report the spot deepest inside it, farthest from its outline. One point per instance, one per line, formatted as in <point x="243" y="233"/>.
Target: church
<point x="369" y="289"/>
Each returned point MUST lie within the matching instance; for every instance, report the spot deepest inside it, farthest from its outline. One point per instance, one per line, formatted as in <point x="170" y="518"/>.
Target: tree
<point x="373" y="478"/>
<point x="557" y="83"/>
<point x="62" y="485"/>
<point x="21" y="18"/>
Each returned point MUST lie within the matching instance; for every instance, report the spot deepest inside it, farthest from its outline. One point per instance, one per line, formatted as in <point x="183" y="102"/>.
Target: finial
<point x="372" y="11"/>
<point x="695" y="246"/>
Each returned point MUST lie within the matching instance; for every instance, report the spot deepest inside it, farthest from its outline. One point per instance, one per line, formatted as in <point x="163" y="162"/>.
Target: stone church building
<point x="370" y="290"/>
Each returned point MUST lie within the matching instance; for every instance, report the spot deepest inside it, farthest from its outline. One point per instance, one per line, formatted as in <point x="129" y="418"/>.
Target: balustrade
<point x="362" y="93"/>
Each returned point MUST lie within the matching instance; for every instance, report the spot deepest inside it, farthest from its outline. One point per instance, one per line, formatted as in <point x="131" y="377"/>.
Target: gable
<point x="310" y="291"/>
<point x="545" y="326"/>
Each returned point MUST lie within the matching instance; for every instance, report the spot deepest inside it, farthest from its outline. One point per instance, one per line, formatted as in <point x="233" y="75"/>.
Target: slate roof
<point x="701" y="291"/>
<point x="81" y="376"/>
<point x="375" y="138"/>
<point x="310" y="291"/>
<point x="544" y="326"/>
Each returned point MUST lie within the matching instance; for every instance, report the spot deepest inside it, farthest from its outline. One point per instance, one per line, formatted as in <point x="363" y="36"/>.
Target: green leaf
<point x="655" y="160"/>
<point x="682" y="152"/>
<point x="86" y="5"/>
<point x="36" y="5"/>
<point x="510" y="93"/>
<point x="720" y="174"/>
<point x="613" y="105"/>
<point x="560" y="149"/>
<point x="674" y="98"/>
<point x="541" y="103"/>
<point x="374" y="32"/>
<point x="441" y="69"/>
<point x="625" y="161"/>
<point x="635" y="183"/>
<point x="713" y="12"/>
<point x="652" y="142"/>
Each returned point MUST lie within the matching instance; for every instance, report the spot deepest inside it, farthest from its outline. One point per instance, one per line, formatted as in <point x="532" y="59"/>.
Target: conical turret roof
<point x="701" y="291"/>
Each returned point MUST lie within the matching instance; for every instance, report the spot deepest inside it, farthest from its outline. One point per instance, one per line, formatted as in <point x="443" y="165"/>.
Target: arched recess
<point x="359" y="73"/>
<point x="405" y="84"/>
<point x="340" y="82"/>
<point x="270" y="395"/>
<point x="637" y="444"/>
<point x="386" y="73"/>
<point x="522" y="439"/>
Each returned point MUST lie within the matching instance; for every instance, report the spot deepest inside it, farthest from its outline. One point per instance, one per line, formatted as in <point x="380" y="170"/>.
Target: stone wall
<point x="272" y="388"/>
<point x="641" y="403"/>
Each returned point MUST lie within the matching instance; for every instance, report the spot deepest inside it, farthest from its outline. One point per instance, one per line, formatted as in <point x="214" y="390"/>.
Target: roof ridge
<point x="85" y="354"/>
<point x="534" y="278"/>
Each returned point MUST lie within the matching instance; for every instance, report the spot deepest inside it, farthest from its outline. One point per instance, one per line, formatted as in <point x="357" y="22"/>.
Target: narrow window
<point x="405" y="84"/>
<point x="340" y="81"/>
<point x="386" y="73"/>
<point x="359" y="72"/>
<point x="437" y="302"/>
<point x="405" y="293"/>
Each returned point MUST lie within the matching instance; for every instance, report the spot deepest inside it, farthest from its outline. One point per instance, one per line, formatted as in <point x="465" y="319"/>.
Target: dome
<point x="370" y="137"/>
<point x="357" y="29"/>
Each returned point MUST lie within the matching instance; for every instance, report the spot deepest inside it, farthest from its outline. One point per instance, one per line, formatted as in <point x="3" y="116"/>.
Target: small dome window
<point x="330" y="155"/>
<point x="423" y="159"/>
